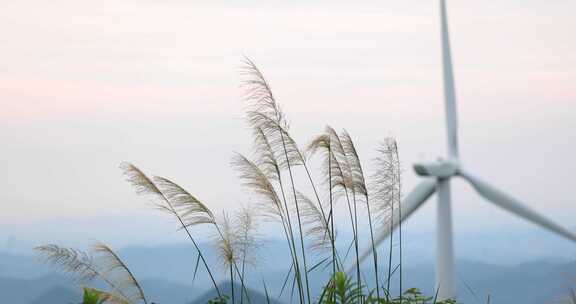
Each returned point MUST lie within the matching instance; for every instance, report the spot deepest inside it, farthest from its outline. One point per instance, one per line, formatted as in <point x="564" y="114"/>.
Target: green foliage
<point x="415" y="296"/>
<point x="219" y="300"/>
<point x="92" y="296"/>
<point x="341" y="290"/>
<point x="97" y="296"/>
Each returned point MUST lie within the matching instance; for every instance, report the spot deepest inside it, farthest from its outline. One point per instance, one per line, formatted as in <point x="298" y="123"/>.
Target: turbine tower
<point x="437" y="176"/>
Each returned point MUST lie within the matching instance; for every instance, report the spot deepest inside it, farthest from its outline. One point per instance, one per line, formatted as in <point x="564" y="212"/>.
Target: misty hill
<point x="58" y="294"/>
<point x="51" y="288"/>
<point x="166" y="274"/>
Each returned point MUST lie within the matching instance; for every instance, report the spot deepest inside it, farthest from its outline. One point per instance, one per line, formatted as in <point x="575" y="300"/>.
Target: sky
<point x="85" y="85"/>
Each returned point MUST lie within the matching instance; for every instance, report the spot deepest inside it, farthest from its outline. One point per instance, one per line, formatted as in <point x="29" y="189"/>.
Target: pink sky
<point x="85" y="85"/>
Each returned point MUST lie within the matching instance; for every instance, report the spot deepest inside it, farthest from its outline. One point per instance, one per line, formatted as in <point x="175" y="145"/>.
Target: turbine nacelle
<point x="440" y="168"/>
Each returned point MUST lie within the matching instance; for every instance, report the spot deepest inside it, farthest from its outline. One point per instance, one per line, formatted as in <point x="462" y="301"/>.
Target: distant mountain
<point x="58" y="295"/>
<point x="167" y="292"/>
<point x="527" y="283"/>
<point x="26" y="291"/>
<point x="166" y="274"/>
<point x="22" y="266"/>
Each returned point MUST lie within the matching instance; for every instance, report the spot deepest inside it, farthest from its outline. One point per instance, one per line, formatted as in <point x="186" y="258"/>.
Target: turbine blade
<point x="409" y="204"/>
<point x="507" y="202"/>
<point x="449" y="87"/>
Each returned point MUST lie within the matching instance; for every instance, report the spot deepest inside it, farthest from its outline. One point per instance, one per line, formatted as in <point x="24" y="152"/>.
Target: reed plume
<point x="225" y="241"/>
<point x="318" y="230"/>
<point x="78" y="263"/>
<point x="338" y="174"/>
<point x="225" y="245"/>
<point x="192" y="211"/>
<point x="282" y="144"/>
<point x="386" y="190"/>
<point x="266" y="158"/>
<point x="360" y="187"/>
<point x="256" y="180"/>
<point x="385" y="181"/>
<point x="189" y="208"/>
<point x="358" y="178"/>
<point x="85" y="267"/>
<point x="258" y="93"/>
<point x="322" y="144"/>
<point x="145" y="186"/>
<point x="267" y="115"/>
<point x="246" y="239"/>
<point x="114" y="268"/>
<point x="345" y="162"/>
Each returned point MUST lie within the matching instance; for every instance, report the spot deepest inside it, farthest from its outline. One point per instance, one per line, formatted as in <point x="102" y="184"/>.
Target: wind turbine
<point x="437" y="176"/>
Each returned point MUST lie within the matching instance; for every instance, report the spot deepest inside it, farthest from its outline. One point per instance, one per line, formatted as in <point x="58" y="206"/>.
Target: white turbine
<point x="437" y="179"/>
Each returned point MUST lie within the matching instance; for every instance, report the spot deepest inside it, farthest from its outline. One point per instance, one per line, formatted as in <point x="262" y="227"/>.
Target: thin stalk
<point x="292" y="253"/>
<point x="193" y="242"/>
<point x="374" y="251"/>
<point x="354" y="232"/>
<point x="356" y="239"/>
<point x="203" y="260"/>
<point x="298" y="216"/>
<point x="399" y="181"/>
<point x="353" y="222"/>
<point x="315" y="191"/>
<point x="243" y="286"/>
<point x="354" y="229"/>
<point x="243" y="267"/>
<point x="232" y="283"/>
<point x="326" y="219"/>
<point x="391" y="237"/>
<point x="292" y="243"/>
<point x="331" y="215"/>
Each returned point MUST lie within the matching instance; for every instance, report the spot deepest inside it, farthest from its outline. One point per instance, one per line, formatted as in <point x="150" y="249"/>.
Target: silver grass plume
<point x="337" y="176"/>
<point x="343" y="178"/>
<point x="141" y="183"/>
<point x="247" y="238"/>
<point x="85" y="268"/>
<point x="360" y="187"/>
<point x="225" y="241"/>
<point x="326" y="146"/>
<point x="385" y="183"/>
<point x="254" y="179"/>
<point x="191" y="210"/>
<point x="169" y="196"/>
<point x="279" y="139"/>
<point x="258" y="94"/>
<point x="358" y="179"/>
<point x="265" y="114"/>
<point x="266" y="158"/>
<point x="114" y="268"/>
<point x="317" y="228"/>
<point x="343" y="168"/>
<point x="78" y="263"/>
<point x="145" y="186"/>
